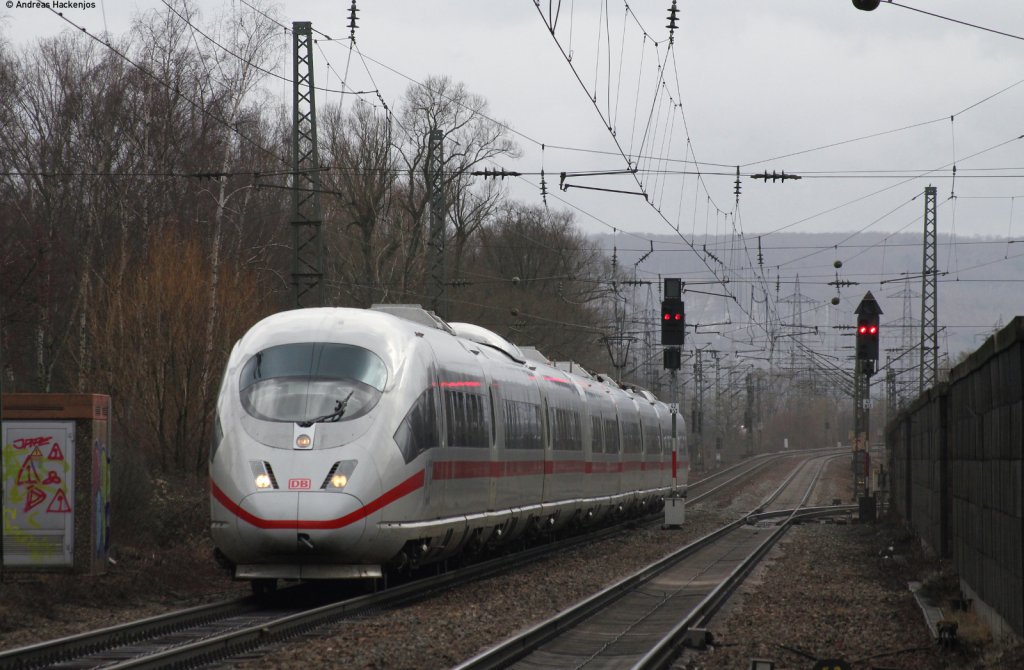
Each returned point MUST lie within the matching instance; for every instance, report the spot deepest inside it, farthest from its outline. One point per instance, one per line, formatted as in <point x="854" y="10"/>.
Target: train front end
<point x="302" y="429"/>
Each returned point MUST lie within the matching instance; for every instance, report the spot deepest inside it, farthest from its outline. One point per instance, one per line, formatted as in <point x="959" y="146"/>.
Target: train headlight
<point x="303" y="441"/>
<point x="263" y="475"/>
<point x="339" y="476"/>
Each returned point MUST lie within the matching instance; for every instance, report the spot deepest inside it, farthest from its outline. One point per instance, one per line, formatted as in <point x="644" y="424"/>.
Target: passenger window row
<point x="468" y="416"/>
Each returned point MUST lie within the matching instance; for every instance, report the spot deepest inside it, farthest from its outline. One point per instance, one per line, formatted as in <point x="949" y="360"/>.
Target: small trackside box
<point x="55" y="470"/>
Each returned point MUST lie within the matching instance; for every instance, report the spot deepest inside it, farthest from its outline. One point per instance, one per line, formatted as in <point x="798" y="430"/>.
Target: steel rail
<point x="145" y="633"/>
<point x="79" y="646"/>
<point x="63" y="649"/>
<point x="244" y="640"/>
<point x="523" y="644"/>
<point x="664" y="653"/>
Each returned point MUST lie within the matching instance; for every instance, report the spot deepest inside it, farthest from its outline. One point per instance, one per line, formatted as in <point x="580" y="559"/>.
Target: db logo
<point x="300" y="484"/>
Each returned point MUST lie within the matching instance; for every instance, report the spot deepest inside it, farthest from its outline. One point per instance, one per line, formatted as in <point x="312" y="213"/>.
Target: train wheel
<point x="262" y="588"/>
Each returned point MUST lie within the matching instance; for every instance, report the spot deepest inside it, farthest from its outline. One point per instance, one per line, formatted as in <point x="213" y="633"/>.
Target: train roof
<point x="414" y="313"/>
<point x="488" y="338"/>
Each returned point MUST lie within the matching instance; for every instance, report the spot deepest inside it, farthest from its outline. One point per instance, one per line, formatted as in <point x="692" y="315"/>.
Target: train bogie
<point x="352" y="440"/>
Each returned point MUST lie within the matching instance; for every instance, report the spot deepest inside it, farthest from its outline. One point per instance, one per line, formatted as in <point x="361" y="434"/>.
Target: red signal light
<point x="873" y="330"/>
<point x="673" y="321"/>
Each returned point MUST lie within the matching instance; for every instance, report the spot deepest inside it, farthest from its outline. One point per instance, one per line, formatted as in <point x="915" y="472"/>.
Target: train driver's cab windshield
<point x="312" y="382"/>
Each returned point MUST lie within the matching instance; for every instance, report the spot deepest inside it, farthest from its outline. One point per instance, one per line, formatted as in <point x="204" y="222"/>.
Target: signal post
<point x="673" y="333"/>
<point x="866" y="358"/>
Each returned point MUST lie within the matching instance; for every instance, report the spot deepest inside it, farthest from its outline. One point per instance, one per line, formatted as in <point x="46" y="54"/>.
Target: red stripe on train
<point x="405" y="488"/>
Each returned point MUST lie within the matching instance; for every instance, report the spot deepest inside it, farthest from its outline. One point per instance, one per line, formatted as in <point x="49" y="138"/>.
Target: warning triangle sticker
<point x="56" y="454"/>
<point x="35" y="497"/>
<point x="59" y="502"/>
<point x="28" y="474"/>
<point x="36" y="454"/>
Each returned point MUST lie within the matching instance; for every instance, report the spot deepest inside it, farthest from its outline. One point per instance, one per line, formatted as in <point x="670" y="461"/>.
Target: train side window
<point x="596" y="445"/>
<point x="513" y="425"/>
<point x="535" y="436"/>
<point x="453" y="416"/>
<point x="611" y="436"/>
<point x="631" y="438"/>
<point x="468" y="422"/>
<point x="522" y="425"/>
<point x="652" y="438"/>
<point x="419" y="430"/>
<point x="479" y="421"/>
<point x="493" y="415"/>
<point x="567" y="430"/>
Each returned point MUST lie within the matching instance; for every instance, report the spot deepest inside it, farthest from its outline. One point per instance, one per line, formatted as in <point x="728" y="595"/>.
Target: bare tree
<point x="153" y="353"/>
<point x="359" y="199"/>
<point x="471" y="139"/>
<point x="62" y="133"/>
<point x="535" y="279"/>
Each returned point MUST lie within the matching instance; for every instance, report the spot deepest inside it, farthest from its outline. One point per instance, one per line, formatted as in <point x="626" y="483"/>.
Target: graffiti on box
<point x="36" y="472"/>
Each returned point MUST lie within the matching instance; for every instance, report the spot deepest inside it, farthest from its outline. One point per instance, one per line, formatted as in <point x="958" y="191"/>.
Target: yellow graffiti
<point x="47" y="482"/>
<point x="37" y="546"/>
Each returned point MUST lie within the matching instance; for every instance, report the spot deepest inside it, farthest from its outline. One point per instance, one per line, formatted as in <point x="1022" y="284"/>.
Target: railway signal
<point x="867" y="338"/>
<point x="867" y="313"/>
<point x="673" y="323"/>
<point x="673" y="315"/>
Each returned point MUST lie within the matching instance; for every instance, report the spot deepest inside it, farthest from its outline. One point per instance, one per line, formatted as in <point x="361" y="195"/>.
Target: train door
<point x="497" y="426"/>
<point x="518" y="404"/>
<point x="549" y="453"/>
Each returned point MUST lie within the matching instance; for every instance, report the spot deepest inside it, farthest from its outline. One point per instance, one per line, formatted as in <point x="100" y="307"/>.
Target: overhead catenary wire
<point x="952" y="20"/>
<point x="665" y="173"/>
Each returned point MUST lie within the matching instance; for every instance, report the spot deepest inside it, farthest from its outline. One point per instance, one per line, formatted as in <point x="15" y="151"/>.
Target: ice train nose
<point x="318" y="521"/>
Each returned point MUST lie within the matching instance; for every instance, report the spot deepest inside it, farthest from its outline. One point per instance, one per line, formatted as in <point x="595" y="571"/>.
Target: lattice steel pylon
<point x="308" y="259"/>
<point x="904" y="364"/>
<point x="435" y="243"/>
<point x="796" y="321"/>
<point x="929" y="296"/>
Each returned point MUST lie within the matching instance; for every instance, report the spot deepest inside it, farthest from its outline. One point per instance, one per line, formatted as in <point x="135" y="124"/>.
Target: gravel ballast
<point x="825" y="590"/>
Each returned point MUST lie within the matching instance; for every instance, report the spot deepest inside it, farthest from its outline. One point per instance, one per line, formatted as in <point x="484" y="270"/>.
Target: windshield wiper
<point x="339" y="411"/>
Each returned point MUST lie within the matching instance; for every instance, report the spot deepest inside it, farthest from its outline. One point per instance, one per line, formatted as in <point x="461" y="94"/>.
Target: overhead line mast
<point x="308" y="259"/>
<point x="929" y="295"/>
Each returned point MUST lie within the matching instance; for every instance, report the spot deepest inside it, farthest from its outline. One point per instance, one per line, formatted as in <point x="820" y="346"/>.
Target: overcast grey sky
<point x="754" y="81"/>
<point x="788" y="85"/>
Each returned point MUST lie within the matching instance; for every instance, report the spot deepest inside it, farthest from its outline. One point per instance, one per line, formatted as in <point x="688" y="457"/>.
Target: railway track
<point x="205" y="634"/>
<point x="644" y="620"/>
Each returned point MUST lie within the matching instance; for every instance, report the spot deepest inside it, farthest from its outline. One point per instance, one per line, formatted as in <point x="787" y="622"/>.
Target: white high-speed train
<point x="351" y="441"/>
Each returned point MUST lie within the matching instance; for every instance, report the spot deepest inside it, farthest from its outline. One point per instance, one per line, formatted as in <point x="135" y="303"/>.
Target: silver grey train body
<point x="348" y="441"/>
